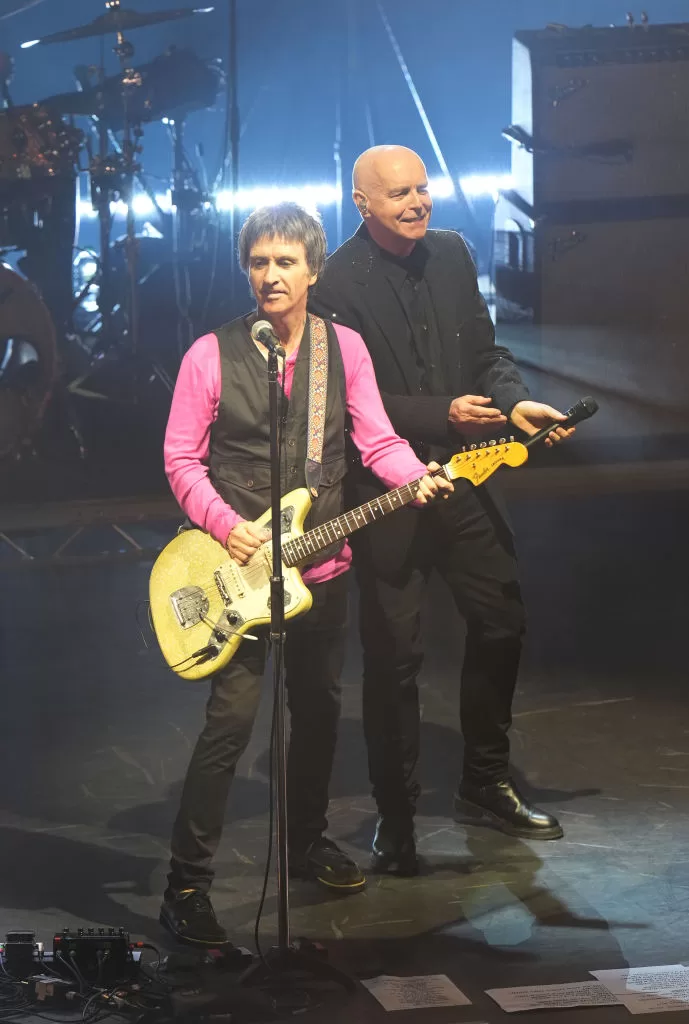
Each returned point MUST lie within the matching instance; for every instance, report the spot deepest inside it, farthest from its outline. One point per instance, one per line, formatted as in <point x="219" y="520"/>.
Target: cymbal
<point x="173" y="84"/>
<point x="117" y="19"/>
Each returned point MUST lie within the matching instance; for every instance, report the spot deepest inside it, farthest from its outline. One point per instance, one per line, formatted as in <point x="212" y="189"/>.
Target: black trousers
<point x="314" y="655"/>
<point x="472" y="549"/>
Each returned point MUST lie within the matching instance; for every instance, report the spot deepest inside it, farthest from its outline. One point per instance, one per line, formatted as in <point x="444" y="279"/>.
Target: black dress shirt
<point x="406" y="275"/>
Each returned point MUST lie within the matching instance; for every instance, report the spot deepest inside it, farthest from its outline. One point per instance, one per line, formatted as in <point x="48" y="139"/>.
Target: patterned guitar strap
<point x="318" y="393"/>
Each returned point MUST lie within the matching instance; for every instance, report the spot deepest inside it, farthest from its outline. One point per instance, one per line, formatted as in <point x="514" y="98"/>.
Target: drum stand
<point x="187" y="197"/>
<point x="112" y="176"/>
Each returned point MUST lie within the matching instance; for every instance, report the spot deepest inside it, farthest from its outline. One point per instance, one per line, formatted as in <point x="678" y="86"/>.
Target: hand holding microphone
<point x="554" y="425"/>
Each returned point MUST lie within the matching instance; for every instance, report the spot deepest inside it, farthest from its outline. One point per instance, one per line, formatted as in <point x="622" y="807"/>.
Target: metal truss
<point x="83" y="532"/>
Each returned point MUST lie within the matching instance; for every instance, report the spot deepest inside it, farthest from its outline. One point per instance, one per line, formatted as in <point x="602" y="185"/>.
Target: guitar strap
<point x="318" y="394"/>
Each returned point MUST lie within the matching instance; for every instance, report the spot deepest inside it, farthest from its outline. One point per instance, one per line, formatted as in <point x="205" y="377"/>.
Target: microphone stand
<point x="288" y="964"/>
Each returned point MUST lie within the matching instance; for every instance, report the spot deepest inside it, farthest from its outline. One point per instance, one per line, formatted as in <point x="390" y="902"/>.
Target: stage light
<point x="308" y="196"/>
<point x="441" y="187"/>
<point x="164" y="201"/>
<point x="143" y="205"/>
<point x="476" y="185"/>
<point x="311" y="197"/>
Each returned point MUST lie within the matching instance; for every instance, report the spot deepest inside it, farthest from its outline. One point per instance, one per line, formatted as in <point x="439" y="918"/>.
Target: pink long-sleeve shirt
<point x="195" y="408"/>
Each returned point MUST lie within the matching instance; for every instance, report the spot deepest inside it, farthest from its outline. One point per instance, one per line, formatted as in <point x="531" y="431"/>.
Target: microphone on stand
<point x="263" y="333"/>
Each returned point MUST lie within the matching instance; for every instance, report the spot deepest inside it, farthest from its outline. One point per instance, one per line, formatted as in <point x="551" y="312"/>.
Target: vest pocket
<point x="245" y="484"/>
<point x="247" y="474"/>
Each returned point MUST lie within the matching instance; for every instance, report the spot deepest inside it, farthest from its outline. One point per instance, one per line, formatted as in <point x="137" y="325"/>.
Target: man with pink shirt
<point x="217" y="462"/>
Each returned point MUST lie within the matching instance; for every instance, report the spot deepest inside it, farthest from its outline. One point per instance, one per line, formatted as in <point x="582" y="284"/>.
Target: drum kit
<point x="42" y="153"/>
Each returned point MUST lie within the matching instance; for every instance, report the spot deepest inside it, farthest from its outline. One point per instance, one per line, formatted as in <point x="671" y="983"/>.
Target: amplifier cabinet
<point x="604" y="112"/>
<point x="624" y="272"/>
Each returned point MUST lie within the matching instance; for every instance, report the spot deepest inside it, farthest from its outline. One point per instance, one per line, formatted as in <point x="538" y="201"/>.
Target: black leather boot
<point x="503" y="806"/>
<point x="394" y="848"/>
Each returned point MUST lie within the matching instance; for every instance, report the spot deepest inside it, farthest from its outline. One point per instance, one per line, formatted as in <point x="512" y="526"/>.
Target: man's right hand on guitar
<point x="245" y="540"/>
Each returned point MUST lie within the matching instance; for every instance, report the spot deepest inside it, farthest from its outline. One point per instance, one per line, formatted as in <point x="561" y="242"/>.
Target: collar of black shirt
<point x="399" y="268"/>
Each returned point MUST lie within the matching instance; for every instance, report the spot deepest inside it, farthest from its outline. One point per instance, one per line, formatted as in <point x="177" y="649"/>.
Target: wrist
<point x="514" y="407"/>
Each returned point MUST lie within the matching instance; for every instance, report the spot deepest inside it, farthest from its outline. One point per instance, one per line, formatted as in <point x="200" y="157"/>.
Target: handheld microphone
<point x="263" y="333"/>
<point x="583" y="409"/>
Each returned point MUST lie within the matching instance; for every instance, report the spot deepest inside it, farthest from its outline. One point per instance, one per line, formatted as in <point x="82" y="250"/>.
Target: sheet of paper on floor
<point x="552" y="997"/>
<point x="649" y="989"/>
<point x="417" y="993"/>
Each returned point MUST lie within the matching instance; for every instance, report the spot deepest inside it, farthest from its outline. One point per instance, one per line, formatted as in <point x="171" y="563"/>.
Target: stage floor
<point x="96" y="733"/>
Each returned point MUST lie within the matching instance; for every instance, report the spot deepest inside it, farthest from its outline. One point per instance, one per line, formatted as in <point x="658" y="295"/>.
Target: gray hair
<point x="290" y="222"/>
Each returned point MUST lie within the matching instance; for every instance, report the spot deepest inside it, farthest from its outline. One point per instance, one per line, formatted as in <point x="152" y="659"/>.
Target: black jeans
<point x="314" y="655"/>
<point x="472" y="549"/>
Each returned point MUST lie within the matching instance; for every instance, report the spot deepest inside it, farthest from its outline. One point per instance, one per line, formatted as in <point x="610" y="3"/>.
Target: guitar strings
<point x="209" y="585"/>
<point x="250" y="571"/>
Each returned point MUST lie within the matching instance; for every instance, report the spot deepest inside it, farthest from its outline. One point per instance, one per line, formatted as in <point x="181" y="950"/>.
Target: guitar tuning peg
<point x="464" y="448"/>
<point x="491" y="443"/>
<point x="511" y="437"/>
<point x="483" y="444"/>
<point x="472" y="447"/>
<point x="502" y="441"/>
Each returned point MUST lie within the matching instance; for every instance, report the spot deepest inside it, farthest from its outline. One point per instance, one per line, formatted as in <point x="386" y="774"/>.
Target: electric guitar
<point x="203" y="602"/>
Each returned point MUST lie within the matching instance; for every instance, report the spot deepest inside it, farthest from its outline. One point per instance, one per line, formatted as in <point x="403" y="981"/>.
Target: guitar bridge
<point x="220" y="584"/>
<point x="190" y="605"/>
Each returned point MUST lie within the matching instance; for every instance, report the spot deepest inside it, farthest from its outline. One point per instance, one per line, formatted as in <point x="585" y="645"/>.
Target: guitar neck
<point x="475" y="465"/>
<point x="302" y="549"/>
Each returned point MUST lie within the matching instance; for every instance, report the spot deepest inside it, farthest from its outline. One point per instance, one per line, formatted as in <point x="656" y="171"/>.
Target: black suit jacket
<point x="354" y="290"/>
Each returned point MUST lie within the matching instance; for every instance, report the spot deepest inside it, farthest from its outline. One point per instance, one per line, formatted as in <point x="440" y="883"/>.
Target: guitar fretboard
<point x="302" y="549"/>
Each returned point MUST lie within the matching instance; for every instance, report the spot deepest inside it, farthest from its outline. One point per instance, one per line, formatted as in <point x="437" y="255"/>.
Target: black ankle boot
<point x="394" y="848"/>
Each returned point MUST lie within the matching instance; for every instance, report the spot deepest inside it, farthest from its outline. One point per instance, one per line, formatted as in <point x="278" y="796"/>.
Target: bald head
<point x="375" y="165"/>
<point x="390" y="189"/>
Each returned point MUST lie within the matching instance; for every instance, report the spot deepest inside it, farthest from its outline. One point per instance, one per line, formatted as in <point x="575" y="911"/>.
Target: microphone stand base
<point x="287" y="972"/>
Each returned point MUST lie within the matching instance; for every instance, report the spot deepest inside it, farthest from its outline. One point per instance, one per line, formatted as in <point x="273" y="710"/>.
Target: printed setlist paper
<point x="417" y="993"/>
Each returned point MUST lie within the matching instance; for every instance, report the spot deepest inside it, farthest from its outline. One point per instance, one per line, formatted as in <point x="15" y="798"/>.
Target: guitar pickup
<point x="235" y="581"/>
<point x="190" y="605"/>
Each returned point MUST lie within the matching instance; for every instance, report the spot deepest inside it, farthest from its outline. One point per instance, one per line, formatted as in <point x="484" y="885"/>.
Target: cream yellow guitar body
<point x="203" y="602"/>
<point x="197" y="590"/>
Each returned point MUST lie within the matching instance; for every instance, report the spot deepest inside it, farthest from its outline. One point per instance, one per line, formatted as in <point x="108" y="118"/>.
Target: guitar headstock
<point x="478" y="462"/>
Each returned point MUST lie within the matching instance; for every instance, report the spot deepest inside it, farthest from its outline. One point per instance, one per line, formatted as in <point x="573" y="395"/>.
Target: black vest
<point x="240" y="436"/>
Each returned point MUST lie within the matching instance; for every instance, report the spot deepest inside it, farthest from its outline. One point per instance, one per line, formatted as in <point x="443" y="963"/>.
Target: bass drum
<point x="28" y="360"/>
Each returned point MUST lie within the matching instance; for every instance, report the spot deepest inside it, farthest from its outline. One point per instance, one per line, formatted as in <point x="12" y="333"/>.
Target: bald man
<point x="412" y="293"/>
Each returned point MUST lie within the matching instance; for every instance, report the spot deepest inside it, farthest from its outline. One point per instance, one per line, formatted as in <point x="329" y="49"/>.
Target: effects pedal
<point x="19" y="952"/>
<point x="101" y="955"/>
